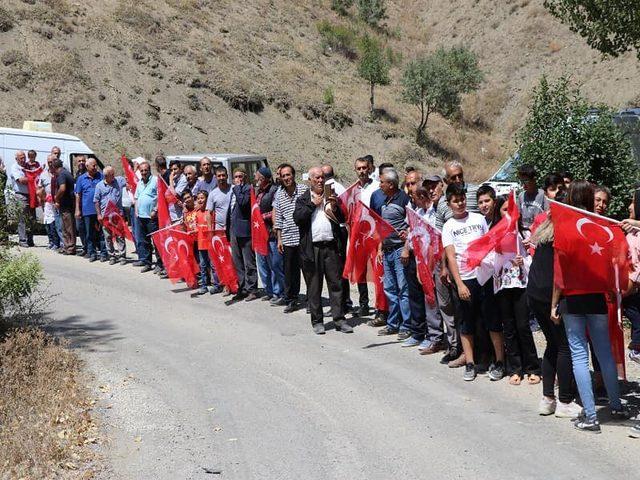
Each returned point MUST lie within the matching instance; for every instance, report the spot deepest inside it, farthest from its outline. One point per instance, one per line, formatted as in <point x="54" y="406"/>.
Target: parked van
<point x="247" y="161"/>
<point x="13" y="139"/>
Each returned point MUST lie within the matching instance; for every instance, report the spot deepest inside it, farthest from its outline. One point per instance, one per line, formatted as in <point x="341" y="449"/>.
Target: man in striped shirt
<point x="288" y="234"/>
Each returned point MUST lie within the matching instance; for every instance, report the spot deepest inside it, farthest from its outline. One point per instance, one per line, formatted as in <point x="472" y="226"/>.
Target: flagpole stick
<point x="177" y="222"/>
<point x="592" y="214"/>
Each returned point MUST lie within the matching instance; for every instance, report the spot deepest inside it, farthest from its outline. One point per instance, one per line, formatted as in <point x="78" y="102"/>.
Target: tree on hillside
<point x="563" y="132"/>
<point x="436" y="82"/>
<point x="611" y="26"/>
<point x="372" y="11"/>
<point x="373" y="66"/>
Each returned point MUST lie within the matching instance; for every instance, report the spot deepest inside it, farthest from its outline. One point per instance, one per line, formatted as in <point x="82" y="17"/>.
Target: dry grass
<point x="45" y="421"/>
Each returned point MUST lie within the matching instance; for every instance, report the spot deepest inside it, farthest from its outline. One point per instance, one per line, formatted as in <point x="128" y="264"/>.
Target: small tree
<point x="372" y="11"/>
<point x="563" y="132"/>
<point x="436" y="82"/>
<point x="341" y="6"/>
<point x="612" y="26"/>
<point x="373" y="66"/>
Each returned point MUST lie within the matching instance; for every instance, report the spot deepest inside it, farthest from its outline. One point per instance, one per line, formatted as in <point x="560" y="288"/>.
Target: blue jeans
<point x="93" y="239"/>
<point x="52" y="233"/>
<point x="598" y="325"/>
<point x="271" y="269"/>
<point x="396" y="290"/>
<point x="205" y="265"/>
<point x="143" y="241"/>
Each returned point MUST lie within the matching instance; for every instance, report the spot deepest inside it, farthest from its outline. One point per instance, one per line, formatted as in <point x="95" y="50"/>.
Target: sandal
<point x="533" y="379"/>
<point x="515" y="379"/>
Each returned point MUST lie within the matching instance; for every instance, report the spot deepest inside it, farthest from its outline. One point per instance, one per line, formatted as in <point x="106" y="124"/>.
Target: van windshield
<point x="507" y="172"/>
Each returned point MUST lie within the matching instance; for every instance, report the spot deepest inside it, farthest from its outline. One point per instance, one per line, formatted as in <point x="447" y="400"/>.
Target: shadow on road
<point x="374" y="345"/>
<point x="91" y="335"/>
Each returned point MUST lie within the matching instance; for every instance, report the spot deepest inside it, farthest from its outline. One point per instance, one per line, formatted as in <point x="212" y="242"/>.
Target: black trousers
<point x="520" y="349"/>
<point x="291" y="273"/>
<point x="244" y="259"/>
<point x="327" y="266"/>
<point x="557" y="356"/>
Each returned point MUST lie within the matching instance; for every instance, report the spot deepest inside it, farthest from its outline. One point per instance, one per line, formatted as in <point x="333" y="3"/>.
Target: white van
<point x="13" y="139"/>
<point x="249" y="162"/>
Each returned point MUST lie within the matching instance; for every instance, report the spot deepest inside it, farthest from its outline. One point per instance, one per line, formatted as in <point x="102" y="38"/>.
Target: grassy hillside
<point x="212" y="75"/>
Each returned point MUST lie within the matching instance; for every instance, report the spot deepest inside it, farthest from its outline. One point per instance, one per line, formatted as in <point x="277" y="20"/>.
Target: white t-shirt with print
<point x="460" y="233"/>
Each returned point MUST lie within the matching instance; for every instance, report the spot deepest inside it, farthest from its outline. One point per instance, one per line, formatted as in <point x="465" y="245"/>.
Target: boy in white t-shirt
<point x="457" y="233"/>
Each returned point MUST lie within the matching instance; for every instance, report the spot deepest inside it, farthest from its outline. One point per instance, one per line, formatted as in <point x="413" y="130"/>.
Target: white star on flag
<point x="256" y="225"/>
<point x="596" y="249"/>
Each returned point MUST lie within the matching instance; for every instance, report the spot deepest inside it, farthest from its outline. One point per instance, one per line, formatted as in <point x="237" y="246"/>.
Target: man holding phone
<point x="319" y="217"/>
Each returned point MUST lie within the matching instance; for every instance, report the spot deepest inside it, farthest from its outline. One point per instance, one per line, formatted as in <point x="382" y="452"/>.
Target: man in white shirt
<point x="19" y="184"/>
<point x="319" y="217"/>
<point x="457" y="233"/>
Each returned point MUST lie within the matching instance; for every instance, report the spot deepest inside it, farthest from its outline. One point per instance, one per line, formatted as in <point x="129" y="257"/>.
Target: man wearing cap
<point x="239" y="235"/>
<point x="270" y="266"/>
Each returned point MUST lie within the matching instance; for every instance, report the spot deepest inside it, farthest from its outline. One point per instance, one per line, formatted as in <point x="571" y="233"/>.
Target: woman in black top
<point x="556" y="360"/>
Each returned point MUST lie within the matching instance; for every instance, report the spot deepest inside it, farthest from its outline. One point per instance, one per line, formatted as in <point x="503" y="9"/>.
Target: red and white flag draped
<point x="113" y="221"/>
<point x="129" y="174"/>
<point x="164" y="218"/>
<point x="368" y="230"/>
<point x="259" y="232"/>
<point x="427" y="248"/>
<point x="32" y="181"/>
<point x="349" y="199"/>
<point x="591" y="255"/>
<point x="503" y="238"/>
<point x="220" y="256"/>
<point x="176" y="250"/>
<point x="377" y="270"/>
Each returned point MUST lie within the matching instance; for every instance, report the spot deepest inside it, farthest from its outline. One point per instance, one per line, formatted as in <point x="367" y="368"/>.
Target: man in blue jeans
<point x="270" y="266"/>
<point x="86" y="211"/>
<point x="147" y="217"/>
<point x="393" y="210"/>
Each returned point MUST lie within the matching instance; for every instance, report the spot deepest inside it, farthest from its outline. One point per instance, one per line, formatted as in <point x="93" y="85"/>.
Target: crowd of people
<point x="479" y="319"/>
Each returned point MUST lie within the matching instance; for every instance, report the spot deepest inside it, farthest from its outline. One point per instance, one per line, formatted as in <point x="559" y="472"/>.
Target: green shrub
<point x="372" y="11"/>
<point x="341" y="6"/>
<point x="340" y="38"/>
<point x="19" y="278"/>
<point x="327" y="96"/>
<point x="563" y="132"/>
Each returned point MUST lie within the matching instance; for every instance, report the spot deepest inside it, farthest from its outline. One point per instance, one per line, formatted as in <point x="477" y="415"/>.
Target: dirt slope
<point x="164" y="75"/>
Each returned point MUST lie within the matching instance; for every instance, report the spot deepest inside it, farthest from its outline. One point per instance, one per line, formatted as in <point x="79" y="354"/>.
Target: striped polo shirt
<point x="285" y="204"/>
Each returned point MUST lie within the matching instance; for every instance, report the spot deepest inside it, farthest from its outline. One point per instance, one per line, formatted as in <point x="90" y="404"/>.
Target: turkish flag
<point x="368" y="230"/>
<point x="176" y="249"/>
<point x="377" y="270"/>
<point x="503" y="238"/>
<point x="259" y="232"/>
<point x="32" y="180"/>
<point x="349" y="199"/>
<point x="164" y="219"/>
<point x="220" y="256"/>
<point x="427" y="248"/>
<point x="591" y="252"/>
<point x="616" y="337"/>
<point x="132" y="180"/>
<point x="113" y="221"/>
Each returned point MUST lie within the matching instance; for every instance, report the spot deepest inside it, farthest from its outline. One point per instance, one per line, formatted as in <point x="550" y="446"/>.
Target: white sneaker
<point x="546" y="406"/>
<point x="634" y="356"/>
<point x="568" y="410"/>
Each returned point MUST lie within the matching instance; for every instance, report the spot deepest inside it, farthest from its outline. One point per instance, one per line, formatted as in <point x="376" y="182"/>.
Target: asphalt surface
<point x="189" y="386"/>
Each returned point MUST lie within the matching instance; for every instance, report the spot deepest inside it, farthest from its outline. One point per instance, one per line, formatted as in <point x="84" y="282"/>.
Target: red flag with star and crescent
<point x="164" y="218"/>
<point x="32" y="180"/>
<point x="368" y="230"/>
<point x="377" y="271"/>
<point x="349" y="199"/>
<point x="427" y="248"/>
<point x="176" y="250"/>
<point x="503" y="238"/>
<point x="113" y="221"/>
<point x="591" y="252"/>
<point x="259" y="232"/>
<point x="220" y="256"/>
<point x="132" y="180"/>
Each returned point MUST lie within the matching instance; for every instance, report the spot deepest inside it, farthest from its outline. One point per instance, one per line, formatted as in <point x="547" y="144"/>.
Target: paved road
<point x="189" y="383"/>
